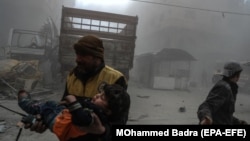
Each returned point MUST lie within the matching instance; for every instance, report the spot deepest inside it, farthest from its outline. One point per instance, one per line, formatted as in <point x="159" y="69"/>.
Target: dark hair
<point x="118" y="100"/>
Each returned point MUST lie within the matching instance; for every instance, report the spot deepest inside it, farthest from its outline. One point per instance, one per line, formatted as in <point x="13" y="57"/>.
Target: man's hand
<point x="70" y="99"/>
<point x="96" y="127"/>
<point x="206" y="121"/>
<point x="38" y="126"/>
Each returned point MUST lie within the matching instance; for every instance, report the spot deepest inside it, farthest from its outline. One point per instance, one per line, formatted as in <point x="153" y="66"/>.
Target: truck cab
<point x="26" y="44"/>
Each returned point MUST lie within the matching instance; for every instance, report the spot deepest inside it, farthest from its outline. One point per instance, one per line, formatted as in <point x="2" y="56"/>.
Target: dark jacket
<point x="220" y="103"/>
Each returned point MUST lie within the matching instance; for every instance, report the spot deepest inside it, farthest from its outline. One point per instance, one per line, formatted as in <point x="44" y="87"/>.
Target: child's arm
<point x="81" y="116"/>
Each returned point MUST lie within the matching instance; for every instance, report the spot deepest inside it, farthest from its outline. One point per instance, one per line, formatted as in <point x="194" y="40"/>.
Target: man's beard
<point x="83" y="69"/>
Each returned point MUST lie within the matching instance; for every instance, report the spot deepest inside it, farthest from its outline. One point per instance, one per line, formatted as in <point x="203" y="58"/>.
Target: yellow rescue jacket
<point x="90" y="88"/>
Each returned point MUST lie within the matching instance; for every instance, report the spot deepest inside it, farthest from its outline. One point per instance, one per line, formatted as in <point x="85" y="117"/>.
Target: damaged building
<point x="169" y="68"/>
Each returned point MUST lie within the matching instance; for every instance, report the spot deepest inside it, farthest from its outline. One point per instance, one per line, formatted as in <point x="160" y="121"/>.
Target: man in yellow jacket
<point x="90" y="72"/>
<point x="84" y="79"/>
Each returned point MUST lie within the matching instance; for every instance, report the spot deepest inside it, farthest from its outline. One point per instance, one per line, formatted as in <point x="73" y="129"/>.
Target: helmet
<point x="231" y="68"/>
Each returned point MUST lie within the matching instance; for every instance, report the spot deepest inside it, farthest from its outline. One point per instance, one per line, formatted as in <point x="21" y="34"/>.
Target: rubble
<point x="16" y="75"/>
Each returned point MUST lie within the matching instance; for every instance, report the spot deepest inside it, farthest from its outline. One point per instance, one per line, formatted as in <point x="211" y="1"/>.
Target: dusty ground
<point x="147" y="107"/>
<point x="162" y="107"/>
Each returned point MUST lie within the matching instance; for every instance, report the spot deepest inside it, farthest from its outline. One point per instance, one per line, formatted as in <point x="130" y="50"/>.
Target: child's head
<point x="114" y="99"/>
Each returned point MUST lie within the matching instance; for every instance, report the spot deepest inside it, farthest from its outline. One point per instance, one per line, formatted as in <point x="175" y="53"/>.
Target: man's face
<point x="85" y="63"/>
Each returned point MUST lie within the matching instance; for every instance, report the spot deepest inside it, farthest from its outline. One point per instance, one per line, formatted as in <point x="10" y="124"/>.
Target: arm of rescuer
<point x="122" y="82"/>
<point x="38" y="126"/>
<point x="96" y="128"/>
<point x="82" y="117"/>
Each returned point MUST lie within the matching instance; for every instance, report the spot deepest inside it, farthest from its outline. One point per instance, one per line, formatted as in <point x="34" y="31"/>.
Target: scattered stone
<point x="182" y="109"/>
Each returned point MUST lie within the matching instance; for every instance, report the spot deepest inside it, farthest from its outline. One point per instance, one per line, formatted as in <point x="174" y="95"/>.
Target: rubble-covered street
<point x="148" y="106"/>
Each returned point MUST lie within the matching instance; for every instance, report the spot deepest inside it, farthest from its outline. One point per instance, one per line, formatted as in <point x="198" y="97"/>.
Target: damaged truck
<point x="118" y="33"/>
<point x="44" y="57"/>
<point x="27" y="60"/>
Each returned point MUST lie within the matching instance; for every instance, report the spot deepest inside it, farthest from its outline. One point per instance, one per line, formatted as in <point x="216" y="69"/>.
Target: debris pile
<point x="15" y="75"/>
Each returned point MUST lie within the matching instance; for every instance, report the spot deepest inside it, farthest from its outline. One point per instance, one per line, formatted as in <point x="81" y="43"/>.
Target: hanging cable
<point x="187" y="7"/>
